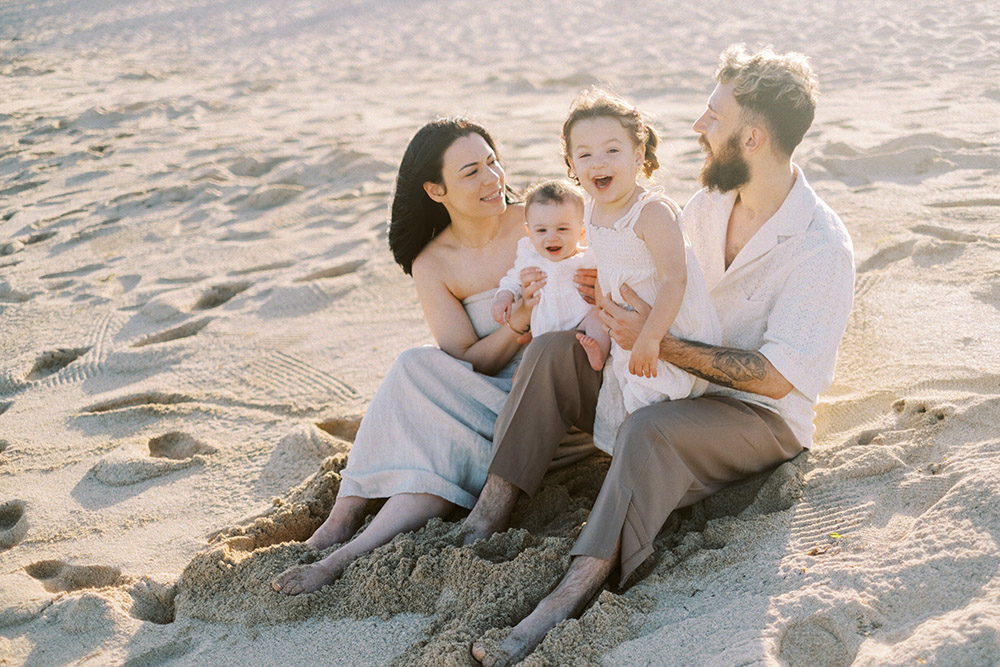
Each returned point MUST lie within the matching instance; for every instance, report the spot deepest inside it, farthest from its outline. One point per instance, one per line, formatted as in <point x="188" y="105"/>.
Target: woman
<point x="426" y="438"/>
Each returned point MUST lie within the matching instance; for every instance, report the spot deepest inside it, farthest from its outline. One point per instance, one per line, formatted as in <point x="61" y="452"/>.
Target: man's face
<point x="720" y="132"/>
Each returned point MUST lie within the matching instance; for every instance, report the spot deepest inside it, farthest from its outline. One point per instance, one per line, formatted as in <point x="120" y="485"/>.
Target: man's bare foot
<point x="584" y="578"/>
<point x="524" y="638"/>
<point x="302" y="579"/>
<point x="492" y="511"/>
<point x="595" y="355"/>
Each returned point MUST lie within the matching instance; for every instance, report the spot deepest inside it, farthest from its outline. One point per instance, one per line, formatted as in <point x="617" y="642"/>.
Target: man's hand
<point x="624" y="325"/>
<point x="586" y="280"/>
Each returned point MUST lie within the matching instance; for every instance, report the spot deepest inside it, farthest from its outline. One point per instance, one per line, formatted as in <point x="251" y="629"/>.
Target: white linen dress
<point x="623" y="258"/>
<point x="429" y="428"/>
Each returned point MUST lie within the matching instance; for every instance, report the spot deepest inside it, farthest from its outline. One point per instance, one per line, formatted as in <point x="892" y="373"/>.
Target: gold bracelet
<point x="519" y="333"/>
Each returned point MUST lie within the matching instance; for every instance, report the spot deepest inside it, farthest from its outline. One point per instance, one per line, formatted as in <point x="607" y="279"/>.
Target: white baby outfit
<point x="623" y="258"/>
<point x="560" y="307"/>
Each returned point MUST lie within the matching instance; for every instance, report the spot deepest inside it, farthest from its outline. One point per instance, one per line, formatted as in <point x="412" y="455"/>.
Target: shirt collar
<point x="793" y="217"/>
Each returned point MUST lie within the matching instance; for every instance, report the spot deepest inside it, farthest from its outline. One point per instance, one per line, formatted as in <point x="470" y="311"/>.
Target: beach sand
<point x="197" y="304"/>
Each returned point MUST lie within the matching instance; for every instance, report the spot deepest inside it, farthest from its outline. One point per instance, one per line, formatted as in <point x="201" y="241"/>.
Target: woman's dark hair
<point x="415" y="218"/>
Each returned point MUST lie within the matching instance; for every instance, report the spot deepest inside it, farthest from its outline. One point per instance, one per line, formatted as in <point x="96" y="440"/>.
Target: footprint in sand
<point x="183" y="331"/>
<point x="10" y="295"/>
<point x="273" y="195"/>
<point x="334" y="271"/>
<point x="39" y="237"/>
<point x="49" y="363"/>
<point x="251" y="166"/>
<point x="165" y="454"/>
<point x="57" y="576"/>
<point x="804" y="641"/>
<point x="4" y="406"/>
<point x="220" y="294"/>
<point x="13" y="524"/>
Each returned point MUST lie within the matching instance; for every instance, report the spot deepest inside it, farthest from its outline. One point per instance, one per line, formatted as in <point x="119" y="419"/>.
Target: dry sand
<point x="197" y="303"/>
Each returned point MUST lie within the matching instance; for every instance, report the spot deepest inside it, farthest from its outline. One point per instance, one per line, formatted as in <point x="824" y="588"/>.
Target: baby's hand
<point x="645" y="354"/>
<point x="501" y="306"/>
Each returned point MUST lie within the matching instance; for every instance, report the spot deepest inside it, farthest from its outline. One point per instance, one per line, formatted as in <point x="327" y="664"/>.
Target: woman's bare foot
<point x="595" y="355"/>
<point x="329" y="534"/>
<point x="302" y="579"/>
<point x="346" y="516"/>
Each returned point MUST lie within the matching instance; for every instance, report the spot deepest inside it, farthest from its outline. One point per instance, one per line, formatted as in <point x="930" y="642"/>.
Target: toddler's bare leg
<point x="595" y="340"/>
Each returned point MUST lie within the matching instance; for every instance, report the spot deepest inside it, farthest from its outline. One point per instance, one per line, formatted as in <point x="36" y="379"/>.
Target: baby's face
<point x="555" y="229"/>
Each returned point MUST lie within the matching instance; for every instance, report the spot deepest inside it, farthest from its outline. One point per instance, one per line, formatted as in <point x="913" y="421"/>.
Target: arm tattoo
<point x="729" y="367"/>
<point x="739" y="366"/>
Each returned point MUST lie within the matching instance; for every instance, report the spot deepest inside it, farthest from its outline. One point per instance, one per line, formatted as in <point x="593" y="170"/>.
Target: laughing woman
<point x="425" y="441"/>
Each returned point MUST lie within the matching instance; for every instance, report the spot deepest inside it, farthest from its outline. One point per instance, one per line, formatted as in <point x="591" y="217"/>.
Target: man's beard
<point x="726" y="169"/>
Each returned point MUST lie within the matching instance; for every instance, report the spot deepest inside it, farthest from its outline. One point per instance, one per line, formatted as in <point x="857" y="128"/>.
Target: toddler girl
<point x="637" y="237"/>
<point x="554" y="214"/>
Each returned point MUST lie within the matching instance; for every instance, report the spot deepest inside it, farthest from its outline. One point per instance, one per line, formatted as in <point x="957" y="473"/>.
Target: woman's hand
<point x="532" y="281"/>
<point x="624" y="325"/>
<point x="520" y="320"/>
<point x="586" y="280"/>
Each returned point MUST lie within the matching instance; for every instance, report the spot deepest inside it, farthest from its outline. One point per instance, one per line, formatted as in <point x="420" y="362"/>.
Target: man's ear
<point x="756" y="137"/>
<point x="435" y="191"/>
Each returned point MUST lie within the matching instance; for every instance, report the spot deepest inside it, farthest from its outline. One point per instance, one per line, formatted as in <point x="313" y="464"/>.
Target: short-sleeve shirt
<point x="787" y="294"/>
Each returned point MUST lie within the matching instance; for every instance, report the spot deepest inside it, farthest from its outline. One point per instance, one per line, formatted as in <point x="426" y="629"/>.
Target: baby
<point x="554" y="213"/>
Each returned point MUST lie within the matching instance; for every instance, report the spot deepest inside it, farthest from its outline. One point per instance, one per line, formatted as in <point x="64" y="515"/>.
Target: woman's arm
<point x="657" y="227"/>
<point x="450" y="325"/>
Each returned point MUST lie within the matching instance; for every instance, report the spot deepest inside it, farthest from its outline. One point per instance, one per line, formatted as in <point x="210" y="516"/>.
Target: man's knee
<point x="642" y="426"/>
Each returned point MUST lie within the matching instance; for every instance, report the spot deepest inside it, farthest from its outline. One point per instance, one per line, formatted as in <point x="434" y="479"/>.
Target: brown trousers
<point x="667" y="455"/>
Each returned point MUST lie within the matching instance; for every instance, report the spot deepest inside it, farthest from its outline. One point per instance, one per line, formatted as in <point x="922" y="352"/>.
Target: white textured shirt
<point x="560" y="306"/>
<point x="787" y="294"/>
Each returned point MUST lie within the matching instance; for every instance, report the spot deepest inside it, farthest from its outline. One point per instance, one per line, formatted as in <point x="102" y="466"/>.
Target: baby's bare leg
<point x="594" y="339"/>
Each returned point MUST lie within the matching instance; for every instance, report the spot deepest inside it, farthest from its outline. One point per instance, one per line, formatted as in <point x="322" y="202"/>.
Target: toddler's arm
<point x="657" y="226"/>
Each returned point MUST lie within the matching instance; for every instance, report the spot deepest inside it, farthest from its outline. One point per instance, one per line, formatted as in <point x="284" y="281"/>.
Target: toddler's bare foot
<point x="593" y="349"/>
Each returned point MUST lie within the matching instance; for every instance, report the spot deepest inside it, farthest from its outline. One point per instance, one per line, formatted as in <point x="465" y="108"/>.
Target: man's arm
<point x="743" y="370"/>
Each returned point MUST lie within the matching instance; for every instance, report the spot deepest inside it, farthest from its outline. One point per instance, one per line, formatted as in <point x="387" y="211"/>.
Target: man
<point x="780" y="269"/>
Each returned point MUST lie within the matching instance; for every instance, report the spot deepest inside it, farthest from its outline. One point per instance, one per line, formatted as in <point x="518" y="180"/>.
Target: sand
<point x="197" y="304"/>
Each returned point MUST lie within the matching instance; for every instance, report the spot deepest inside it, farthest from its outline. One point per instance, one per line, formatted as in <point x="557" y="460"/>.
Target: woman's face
<point x="473" y="179"/>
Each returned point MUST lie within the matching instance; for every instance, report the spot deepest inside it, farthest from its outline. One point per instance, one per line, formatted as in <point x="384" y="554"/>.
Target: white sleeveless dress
<point x="623" y="258"/>
<point x="429" y="428"/>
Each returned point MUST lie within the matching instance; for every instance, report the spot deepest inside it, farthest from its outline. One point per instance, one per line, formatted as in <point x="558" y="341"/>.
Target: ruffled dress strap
<point x="628" y="220"/>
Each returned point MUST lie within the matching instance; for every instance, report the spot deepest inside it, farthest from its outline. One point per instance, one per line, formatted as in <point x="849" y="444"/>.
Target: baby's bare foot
<point x="593" y="349"/>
